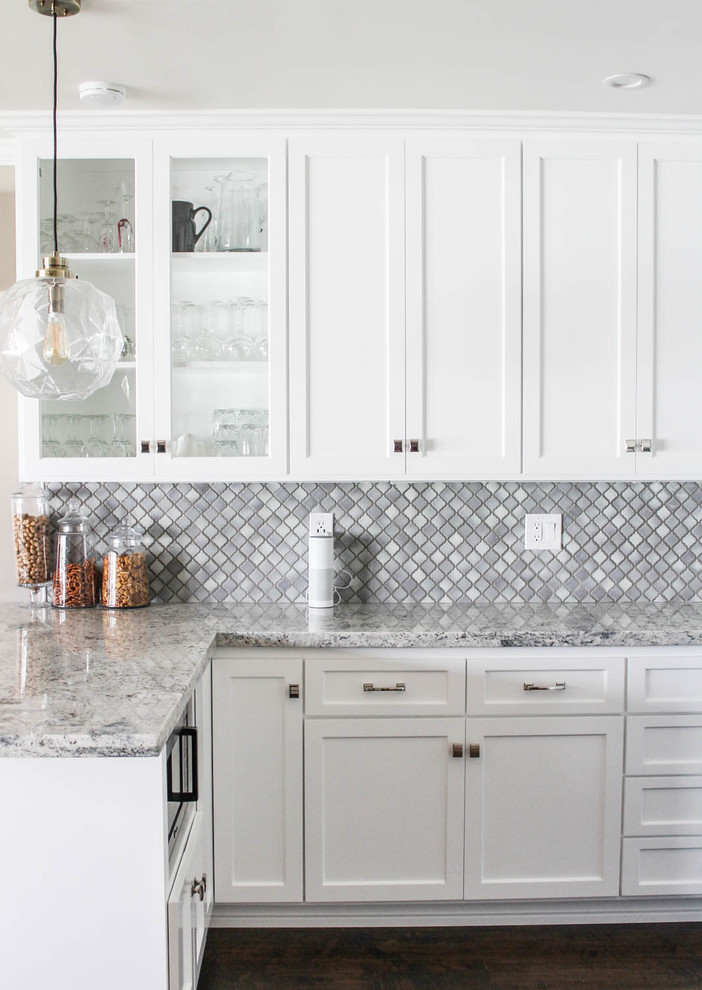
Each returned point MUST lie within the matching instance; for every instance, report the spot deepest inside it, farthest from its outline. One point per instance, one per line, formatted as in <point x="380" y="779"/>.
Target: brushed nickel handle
<point x="146" y="446"/>
<point x="558" y="686"/>
<point x="457" y="751"/>
<point x="294" y="691"/>
<point x="160" y="446"/>
<point x="369" y="686"/>
<point x="474" y="751"/>
<point x="197" y="888"/>
<point x="646" y="446"/>
<point x="630" y="446"/>
<point x="414" y="446"/>
<point x="398" y="446"/>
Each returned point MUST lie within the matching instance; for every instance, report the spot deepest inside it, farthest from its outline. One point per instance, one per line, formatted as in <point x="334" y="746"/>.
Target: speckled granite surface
<point x="96" y="683"/>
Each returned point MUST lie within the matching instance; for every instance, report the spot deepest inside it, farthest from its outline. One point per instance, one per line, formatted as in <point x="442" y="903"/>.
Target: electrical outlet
<point x="543" y="531"/>
<point x="321" y="524"/>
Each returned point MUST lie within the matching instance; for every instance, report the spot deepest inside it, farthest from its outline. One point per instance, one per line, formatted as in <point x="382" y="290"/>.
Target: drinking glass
<point x="262" y="201"/>
<point x="107" y="227"/>
<point x="50" y="447"/>
<point x="207" y="346"/>
<point x="125" y="227"/>
<point x="84" y="232"/>
<point x="98" y="444"/>
<point x="208" y="241"/>
<point x="221" y="221"/>
<point x="119" y="446"/>
<point x="181" y="345"/>
<point x="225" y="425"/>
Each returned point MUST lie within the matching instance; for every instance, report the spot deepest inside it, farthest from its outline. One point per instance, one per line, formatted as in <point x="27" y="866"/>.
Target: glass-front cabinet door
<point x="220" y="343"/>
<point x="104" y="228"/>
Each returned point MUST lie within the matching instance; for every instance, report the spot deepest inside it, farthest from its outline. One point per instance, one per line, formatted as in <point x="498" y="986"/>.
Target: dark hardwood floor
<point x="599" y="957"/>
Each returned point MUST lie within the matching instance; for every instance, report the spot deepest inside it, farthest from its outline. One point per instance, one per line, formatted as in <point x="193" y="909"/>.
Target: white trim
<point x="555" y="912"/>
<point x="22" y="122"/>
<point x="8" y="151"/>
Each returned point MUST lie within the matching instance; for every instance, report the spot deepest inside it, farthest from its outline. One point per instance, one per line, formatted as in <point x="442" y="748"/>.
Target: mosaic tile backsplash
<point x="431" y="542"/>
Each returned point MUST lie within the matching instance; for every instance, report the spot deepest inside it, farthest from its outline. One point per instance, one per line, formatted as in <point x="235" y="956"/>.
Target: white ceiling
<point x="539" y="55"/>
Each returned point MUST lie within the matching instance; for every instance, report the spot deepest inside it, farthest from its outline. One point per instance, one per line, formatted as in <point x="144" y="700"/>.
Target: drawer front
<point x="373" y="686"/>
<point x="663" y="744"/>
<point x="663" y="806"/>
<point x="665" y="684"/>
<point x="541" y="686"/>
<point x="660" y="866"/>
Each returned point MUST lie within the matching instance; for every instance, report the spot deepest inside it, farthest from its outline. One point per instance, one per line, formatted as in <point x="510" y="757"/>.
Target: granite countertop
<point x="99" y="683"/>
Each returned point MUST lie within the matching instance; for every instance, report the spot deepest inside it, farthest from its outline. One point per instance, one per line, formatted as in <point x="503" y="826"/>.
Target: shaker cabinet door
<point x="257" y="746"/>
<point x="543" y="807"/>
<point x="347" y="361"/>
<point x="464" y="307"/>
<point x="670" y="308"/>
<point x="579" y="307"/>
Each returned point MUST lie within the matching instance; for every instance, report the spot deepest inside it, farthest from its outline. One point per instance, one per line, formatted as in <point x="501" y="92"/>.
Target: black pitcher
<point x="184" y="236"/>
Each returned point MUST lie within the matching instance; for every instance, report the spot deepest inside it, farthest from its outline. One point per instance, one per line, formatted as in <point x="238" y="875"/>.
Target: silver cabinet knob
<point x="414" y="446"/>
<point x="398" y="446"/>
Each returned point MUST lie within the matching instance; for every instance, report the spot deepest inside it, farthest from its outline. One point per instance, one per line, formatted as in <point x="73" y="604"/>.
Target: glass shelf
<point x="221" y="367"/>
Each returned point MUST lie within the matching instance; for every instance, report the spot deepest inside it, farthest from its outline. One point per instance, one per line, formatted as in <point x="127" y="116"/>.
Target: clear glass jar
<point x="75" y="573"/>
<point x="30" y="522"/>
<point x="125" y="579"/>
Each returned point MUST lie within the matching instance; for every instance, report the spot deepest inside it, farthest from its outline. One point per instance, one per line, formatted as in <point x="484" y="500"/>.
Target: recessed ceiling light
<point x="627" y="80"/>
<point x="102" y="94"/>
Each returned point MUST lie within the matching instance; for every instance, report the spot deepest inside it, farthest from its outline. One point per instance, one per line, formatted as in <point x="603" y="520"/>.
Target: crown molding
<point x="20" y="123"/>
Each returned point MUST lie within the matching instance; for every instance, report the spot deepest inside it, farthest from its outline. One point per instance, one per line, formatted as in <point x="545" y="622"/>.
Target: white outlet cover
<point x="543" y="531"/>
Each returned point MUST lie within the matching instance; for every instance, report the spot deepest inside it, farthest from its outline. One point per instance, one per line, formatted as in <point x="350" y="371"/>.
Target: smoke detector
<point x="102" y="94"/>
<point x="627" y="80"/>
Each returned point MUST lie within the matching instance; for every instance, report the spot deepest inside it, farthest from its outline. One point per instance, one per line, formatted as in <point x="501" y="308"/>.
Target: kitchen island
<point x="89" y="699"/>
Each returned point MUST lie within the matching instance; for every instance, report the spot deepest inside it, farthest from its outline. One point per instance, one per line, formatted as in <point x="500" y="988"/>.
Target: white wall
<point x="8" y="403"/>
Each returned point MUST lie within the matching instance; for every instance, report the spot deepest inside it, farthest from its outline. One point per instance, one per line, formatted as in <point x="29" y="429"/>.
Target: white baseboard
<point x="622" y="910"/>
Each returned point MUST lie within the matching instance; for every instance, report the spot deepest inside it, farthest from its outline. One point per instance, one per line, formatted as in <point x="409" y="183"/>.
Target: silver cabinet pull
<point x="558" y="686"/>
<point x="160" y="446"/>
<point x="642" y="446"/>
<point x="414" y="446"/>
<point x="369" y="686"/>
<point x="645" y="446"/>
<point x="630" y="446"/>
<point x="474" y="751"/>
<point x="398" y="446"/>
<point x="197" y="889"/>
<point x="294" y="691"/>
<point x="146" y="446"/>
<point x="457" y="751"/>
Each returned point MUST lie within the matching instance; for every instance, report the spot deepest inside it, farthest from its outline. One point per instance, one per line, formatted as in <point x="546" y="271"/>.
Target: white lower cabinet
<point x="257" y="715"/>
<point x="384" y="809"/>
<point x="189" y="909"/>
<point x="543" y="807"/>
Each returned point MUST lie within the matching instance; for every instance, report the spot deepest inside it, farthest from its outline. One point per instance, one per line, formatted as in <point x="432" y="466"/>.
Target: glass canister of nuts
<point x="30" y="522"/>
<point x="75" y="574"/>
<point x="125" y="579"/>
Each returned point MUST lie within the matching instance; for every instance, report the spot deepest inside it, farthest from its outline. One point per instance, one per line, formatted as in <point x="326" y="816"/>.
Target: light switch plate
<point x="543" y="531"/>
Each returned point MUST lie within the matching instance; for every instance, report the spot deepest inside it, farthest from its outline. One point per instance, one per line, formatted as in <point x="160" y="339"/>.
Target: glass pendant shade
<point x="59" y="337"/>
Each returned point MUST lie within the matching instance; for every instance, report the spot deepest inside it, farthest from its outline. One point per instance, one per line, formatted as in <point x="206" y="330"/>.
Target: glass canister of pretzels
<point x="125" y="578"/>
<point x="75" y="582"/>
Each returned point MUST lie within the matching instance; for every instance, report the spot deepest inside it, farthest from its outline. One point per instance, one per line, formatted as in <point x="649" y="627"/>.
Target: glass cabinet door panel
<point x="97" y="233"/>
<point x="219" y="322"/>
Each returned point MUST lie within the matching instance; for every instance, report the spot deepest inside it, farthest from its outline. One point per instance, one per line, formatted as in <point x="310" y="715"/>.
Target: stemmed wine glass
<point x="107" y="228"/>
<point x="207" y="346"/>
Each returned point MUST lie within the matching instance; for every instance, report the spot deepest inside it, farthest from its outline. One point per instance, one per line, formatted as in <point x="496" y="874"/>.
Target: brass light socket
<point x="55" y="267"/>
<point x="62" y="8"/>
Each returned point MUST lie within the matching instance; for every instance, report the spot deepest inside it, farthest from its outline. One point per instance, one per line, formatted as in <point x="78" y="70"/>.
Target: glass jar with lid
<point x="75" y="573"/>
<point x="125" y="579"/>
<point x="30" y="523"/>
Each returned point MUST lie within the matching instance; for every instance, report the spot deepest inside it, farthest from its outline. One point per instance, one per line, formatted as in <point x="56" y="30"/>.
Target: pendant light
<point x="59" y="336"/>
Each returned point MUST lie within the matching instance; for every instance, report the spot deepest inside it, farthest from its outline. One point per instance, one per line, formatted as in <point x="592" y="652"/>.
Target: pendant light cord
<point x="55" y="132"/>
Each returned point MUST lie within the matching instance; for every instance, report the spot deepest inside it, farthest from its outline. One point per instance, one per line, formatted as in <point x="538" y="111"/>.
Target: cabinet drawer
<point x="539" y="686"/>
<point x="665" y="865"/>
<point x="360" y="686"/>
<point x="663" y="806"/>
<point x="665" y="684"/>
<point x="664" y="744"/>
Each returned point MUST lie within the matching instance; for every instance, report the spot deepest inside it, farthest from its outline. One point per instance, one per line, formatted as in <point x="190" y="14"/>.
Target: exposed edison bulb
<point x="56" y="340"/>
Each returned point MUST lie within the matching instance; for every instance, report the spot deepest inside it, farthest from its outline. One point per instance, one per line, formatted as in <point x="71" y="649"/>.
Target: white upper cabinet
<point x="105" y="230"/>
<point x="219" y="315"/>
<point x="670" y="308"/>
<point x="579" y="307"/>
<point x="346" y="305"/>
<point x="463" y="307"/>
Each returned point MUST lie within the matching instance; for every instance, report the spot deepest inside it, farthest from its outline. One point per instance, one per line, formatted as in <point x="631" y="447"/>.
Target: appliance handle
<point x="188" y="744"/>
